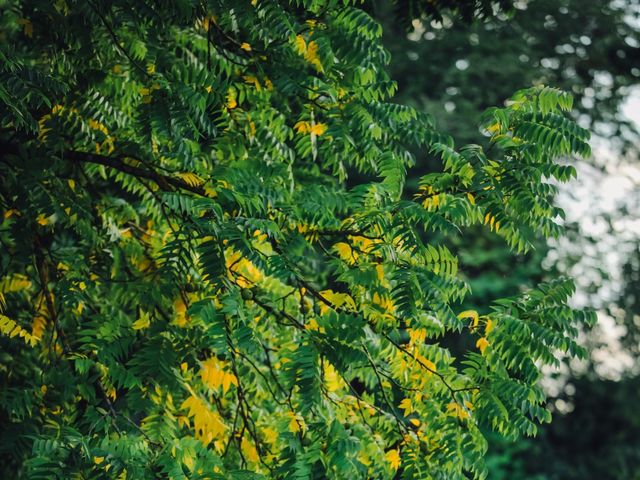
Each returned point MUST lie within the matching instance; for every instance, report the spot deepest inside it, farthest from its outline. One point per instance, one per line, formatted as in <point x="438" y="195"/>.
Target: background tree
<point x="191" y="289"/>
<point x="455" y="71"/>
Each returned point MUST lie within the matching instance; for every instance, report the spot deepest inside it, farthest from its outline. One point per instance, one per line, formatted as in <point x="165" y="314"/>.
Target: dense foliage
<point x="191" y="289"/>
<point x="454" y="71"/>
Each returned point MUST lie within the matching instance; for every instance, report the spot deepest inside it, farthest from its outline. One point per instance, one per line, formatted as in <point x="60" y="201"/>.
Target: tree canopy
<point x="192" y="289"/>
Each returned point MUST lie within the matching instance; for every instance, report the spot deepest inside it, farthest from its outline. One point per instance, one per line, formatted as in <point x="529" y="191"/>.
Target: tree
<point x="454" y="71"/>
<point x="191" y="290"/>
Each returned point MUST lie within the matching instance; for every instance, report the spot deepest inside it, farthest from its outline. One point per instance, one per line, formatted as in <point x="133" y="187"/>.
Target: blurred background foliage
<point x="454" y="70"/>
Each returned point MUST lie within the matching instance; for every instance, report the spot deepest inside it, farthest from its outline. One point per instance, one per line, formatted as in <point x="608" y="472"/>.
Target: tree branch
<point x="165" y="182"/>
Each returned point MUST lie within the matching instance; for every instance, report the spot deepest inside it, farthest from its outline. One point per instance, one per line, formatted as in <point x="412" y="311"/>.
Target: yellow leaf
<point x="425" y="363"/>
<point x="38" y="326"/>
<point x="208" y="21"/>
<point x="297" y="423"/>
<point x="454" y="409"/>
<point x="380" y="272"/>
<point x="364" y="458"/>
<point x="346" y="253"/>
<point x="232" y="98"/>
<point x="214" y="375"/>
<point x="332" y="377"/>
<point x="393" y="457"/>
<point x="493" y="128"/>
<point x="482" y="344"/>
<point x="9" y="213"/>
<point x="471" y="198"/>
<point x="14" y="283"/>
<point x="43" y="219"/>
<point x="243" y="271"/>
<point x="318" y="129"/>
<point x="417" y="335"/>
<point x="308" y="51"/>
<point x="249" y="450"/>
<point x="151" y="68"/>
<point x="312" y="325"/>
<point x="302" y="127"/>
<point x="207" y="424"/>
<point x="260" y="236"/>
<point x="488" y="327"/>
<point x="245" y="46"/>
<point x="111" y="393"/>
<point x="491" y="221"/>
<point x="250" y="79"/>
<point x="187" y="457"/>
<point x="470" y="314"/>
<point x="191" y="179"/>
<point x="210" y="192"/>
<point x="384" y="302"/>
<point x="300" y="45"/>
<point x="10" y="328"/>
<point x="407" y="406"/>
<point x="180" y="308"/>
<point x="339" y="299"/>
<point x="363" y="243"/>
<point x="415" y="422"/>
<point x="294" y="427"/>
<point x="98" y="460"/>
<point x="270" y="435"/>
<point x="311" y="55"/>
<point x="184" y="421"/>
<point x="143" y="321"/>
